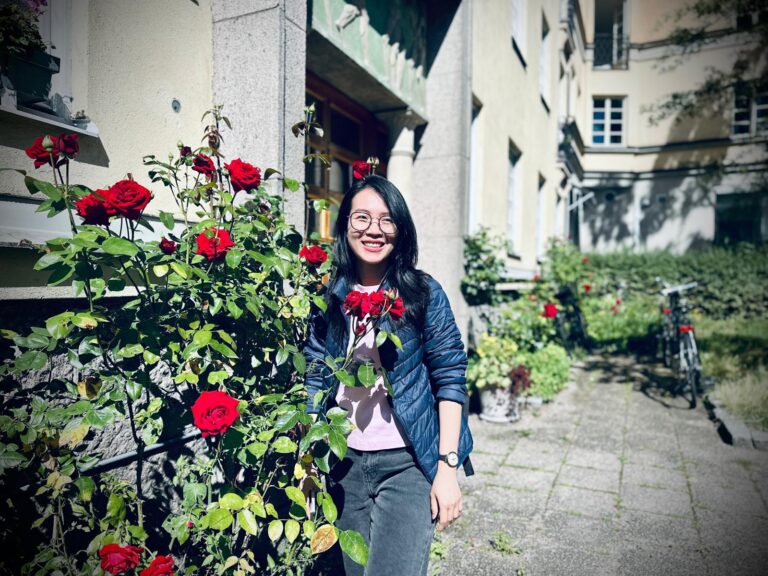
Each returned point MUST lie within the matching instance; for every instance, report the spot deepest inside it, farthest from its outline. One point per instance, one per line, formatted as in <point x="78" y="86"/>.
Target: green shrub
<point x="732" y="348"/>
<point x="491" y="363"/>
<point x="522" y="322"/>
<point x="734" y="278"/>
<point x="483" y="268"/>
<point x="746" y="398"/>
<point x="550" y="369"/>
<point x="615" y="324"/>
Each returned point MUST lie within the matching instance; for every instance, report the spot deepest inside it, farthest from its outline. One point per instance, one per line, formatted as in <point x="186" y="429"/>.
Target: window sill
<point x="514" y="256"/>
<point x="12" y="111"/>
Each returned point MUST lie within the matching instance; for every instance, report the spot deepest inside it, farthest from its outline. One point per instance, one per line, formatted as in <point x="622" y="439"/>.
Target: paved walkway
<point x="612" y="478"/>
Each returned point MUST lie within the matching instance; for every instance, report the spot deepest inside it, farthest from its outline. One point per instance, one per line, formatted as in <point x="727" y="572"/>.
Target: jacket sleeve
<point x="444" y="354"/>
<point x="314" y="353"/>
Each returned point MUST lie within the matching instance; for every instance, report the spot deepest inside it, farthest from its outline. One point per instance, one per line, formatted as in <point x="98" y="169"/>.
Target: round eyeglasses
<point x="361" y="221"/>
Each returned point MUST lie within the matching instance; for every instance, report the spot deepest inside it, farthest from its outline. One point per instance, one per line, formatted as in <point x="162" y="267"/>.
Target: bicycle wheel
<point x="666" y="343"/>
<point x="690" y="371"/>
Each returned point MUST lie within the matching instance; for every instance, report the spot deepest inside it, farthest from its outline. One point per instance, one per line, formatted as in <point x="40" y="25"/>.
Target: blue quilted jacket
<point x="430" y="367"/>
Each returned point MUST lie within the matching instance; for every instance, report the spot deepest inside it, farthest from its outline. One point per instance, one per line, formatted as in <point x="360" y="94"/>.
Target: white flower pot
<point x="498" y="405"/>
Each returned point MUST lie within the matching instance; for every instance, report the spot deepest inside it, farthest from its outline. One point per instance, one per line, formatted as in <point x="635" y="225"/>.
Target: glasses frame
<point x="378" y="223"/>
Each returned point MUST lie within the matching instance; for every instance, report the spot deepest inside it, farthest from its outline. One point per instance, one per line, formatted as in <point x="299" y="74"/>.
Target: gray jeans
<point x="385" y="496"/>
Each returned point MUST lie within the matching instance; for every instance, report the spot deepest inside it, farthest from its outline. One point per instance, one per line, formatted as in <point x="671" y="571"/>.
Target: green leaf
<point x="287" y="421"/>
<point x="284" y="445"/>
<point x="116" y="508"/>
<point x="337" y="443"/>
<point x="34" y="185"/>
<point x="160" y="270"/>
<point x="395" y="340"/>
<point x="150" y="357"/>
<point x="308" y="527"/>
<point x="248" y="522"/>
<point x="380" y="338"/>
<point x="47" y="260"/>
<point x="130" y="350"/>
<point x="367" y="375"/>
<point x="194" y="493"/>
<point x="291" y="184"/>
<point x="337" y="413"/>
<point x="120" y="247"/>
<point x="300" y="362"/>
<point x="233" y="258"/>
<point x="320" y="302"/>
<point x="133" y="389"/>
<point x="282" y="356"/>
<point x="86" y="486"/>
<point x="275" y="530"/>
<point x="231" y="501"/>
<point x="220" y="519"/>
<point x="31" y="360"/>
<point x="201" y="338"/>
<point x="296" y="495"/>
<point x="346" y="378"/>
<point x="292" y="530"/>
<point x="167" y="219"/>
<point x="354" y="546"/>
<point x="329" y="508"/>
<point x="180" y="269"/>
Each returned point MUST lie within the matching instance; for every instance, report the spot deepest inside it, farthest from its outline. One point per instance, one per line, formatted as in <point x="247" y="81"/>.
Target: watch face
<point x="453" y="459"/>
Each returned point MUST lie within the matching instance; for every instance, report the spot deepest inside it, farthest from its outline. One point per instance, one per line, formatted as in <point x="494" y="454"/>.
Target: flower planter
<point x="31" y="74"/>
<point x="498" y="405"/>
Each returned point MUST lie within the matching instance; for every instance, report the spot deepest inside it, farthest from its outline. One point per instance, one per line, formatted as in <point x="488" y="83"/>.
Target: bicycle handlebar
<point x="679" y="289"/>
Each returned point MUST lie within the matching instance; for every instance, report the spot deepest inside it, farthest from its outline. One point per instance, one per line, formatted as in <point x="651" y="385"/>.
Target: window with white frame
<point x="518" y="27"/>
<point x="608" y="120"/>
<point x="544" y="62"/>
<point x="513" y="187"/>
<point x="750" y="110"/>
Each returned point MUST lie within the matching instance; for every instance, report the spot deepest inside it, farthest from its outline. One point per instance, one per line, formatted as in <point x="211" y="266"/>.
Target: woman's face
<point x="372" y="247"/>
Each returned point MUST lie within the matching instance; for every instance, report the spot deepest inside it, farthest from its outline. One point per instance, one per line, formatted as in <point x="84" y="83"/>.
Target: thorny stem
<point x="62" y="533"/>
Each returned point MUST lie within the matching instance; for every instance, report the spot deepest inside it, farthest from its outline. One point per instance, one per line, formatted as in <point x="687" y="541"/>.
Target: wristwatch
<point x="452" y="459"/>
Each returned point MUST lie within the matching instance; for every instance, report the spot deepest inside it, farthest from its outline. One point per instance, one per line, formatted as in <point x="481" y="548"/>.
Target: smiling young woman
<point x="399" y="477"/>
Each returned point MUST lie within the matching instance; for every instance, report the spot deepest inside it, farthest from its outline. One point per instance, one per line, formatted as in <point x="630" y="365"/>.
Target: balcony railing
<point x="611" y="51"/>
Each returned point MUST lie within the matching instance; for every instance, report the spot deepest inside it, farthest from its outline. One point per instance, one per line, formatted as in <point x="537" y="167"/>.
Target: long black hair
<point x="401" y="273"/>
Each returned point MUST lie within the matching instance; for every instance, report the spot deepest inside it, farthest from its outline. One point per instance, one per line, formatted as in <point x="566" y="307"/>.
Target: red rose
<point x="214" y="412"/>
<point x="185" y="151"/>
<point x="243" y="176"/>
<point x="160" y="566"/>
<point x="378" y="302"/>
<point x="536" y="277"/>
<point x="360" y="169"/>
<point x="190" y="524"/>
<point x="93" y="209"/>
<point x="68" y="145"/>
<point x="666" y="311"/>
<point x="168" y="246"/>
<point x="127" y="199"/>
<point x="585" y="260"/>
<point x="618" y="301"/>
<point x="117" y="559"/>
<point x="216" y="245"/>
<point x="357" y="303"/>
<point x="360" y="329"/>
<point x="204" y="165"/>
<point x="39" y="154"/>
<point x="397" y="309"/>
<point x="550" y="311"/>
<point x="314" y="255"/>
<point x="587" y="288"/>
<point x="685" y="328"/>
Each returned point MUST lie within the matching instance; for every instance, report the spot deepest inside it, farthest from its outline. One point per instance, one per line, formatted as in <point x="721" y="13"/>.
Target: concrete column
<point x="401" y="124"/>
<point x="259" y="59"/>
<point x="442" y="166"/>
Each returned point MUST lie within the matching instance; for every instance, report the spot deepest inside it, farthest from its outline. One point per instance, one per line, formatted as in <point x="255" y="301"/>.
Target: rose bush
<point x="223" y="314"/>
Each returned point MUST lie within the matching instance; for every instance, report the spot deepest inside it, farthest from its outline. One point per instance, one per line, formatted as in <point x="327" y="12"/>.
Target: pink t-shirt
<point x="369" y="408"/>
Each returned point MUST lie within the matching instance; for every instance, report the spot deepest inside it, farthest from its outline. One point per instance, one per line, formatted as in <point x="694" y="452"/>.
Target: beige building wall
<point x="512" y="115"/>
<point x="126" y="70"/>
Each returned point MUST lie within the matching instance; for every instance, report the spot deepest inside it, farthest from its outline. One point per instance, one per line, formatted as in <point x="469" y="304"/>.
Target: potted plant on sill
<point x="23" y="54"/>
<point x="488" y="372"/>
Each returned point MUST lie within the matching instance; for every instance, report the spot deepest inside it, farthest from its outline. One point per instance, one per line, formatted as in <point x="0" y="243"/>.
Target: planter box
<point x="498" y="405"/>
<point x="31" y="75"/>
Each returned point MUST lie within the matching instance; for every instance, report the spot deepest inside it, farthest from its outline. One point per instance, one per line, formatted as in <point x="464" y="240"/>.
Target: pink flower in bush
<point x="243" y="176"/>
<point x="214" y="412"/>
<point x="314" y="255"/>
<point x="550" y="310"/>
<point x="128" y="199"/>
<point x="204" y="165"/>
<point x="117" y="559"/>
<point x="160" y="566"/>
<point x="93" y="210"/>
<point x="214" y="243"/>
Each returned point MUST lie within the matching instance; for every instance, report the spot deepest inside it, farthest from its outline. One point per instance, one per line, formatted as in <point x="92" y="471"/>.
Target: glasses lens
<point x="387" y="225"/>
<point x="360" y="221"/>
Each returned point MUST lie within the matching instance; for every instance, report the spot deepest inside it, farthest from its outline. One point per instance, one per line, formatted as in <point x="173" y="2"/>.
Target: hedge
<point x="734" y="279"/>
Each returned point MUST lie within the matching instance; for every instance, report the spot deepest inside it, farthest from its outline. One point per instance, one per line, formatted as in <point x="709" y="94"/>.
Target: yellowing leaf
<point x="323" y="539"/>
<point x="72" y="435"/>
<point x="298" y="471"/>
<point x="89" y="387"/>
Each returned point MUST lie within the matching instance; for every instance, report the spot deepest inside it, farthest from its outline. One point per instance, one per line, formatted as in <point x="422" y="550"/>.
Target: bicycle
<point x="679" y="342"/>
<point x="571" y="324"/>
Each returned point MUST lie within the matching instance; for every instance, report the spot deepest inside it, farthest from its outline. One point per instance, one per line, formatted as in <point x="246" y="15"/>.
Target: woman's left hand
<point x="445" y="496"/>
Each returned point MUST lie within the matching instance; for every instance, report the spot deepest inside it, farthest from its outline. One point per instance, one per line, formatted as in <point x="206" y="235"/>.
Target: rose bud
<point x="168" y="246"/>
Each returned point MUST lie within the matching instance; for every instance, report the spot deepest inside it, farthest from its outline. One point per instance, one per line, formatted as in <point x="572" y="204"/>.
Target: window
<point x="519" y="28"/>
<point x="611" y="44"/>
<point x="540" y="216"/>
<point x="750" y="110"/>
<point x="741" y="218"/>
<point x="746" y="19"/>
<point x="608" y="121"/>
<point x="544" y="63"/>
<point x="514" y="180"/>
<point x="350" y="133"/>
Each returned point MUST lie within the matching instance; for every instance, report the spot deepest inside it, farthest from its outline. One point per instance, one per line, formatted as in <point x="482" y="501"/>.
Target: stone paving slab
<point x="615" y="477"/>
